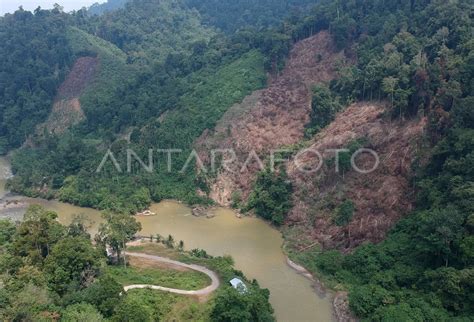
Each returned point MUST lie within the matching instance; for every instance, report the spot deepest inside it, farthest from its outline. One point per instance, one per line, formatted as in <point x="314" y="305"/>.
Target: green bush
<point x="365" y="299"/>
<point x="271" y="196"/>
<point x="81" y="312"/>
<point x="324" y="106"/>
<point x="344" y="213"/>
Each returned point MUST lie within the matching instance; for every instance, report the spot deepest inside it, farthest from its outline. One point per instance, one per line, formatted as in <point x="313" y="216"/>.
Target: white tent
<point x="238" y="285"/>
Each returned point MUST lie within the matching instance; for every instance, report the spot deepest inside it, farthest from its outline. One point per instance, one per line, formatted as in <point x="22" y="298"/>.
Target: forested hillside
<point x="151" y="30"/>
<point x="393" y="76"/>
<point x="417" y="55"/>
<point x="230" y="16"/>
<point x="35" y="57"/>
<point x="109" y="5"/>
<point x="197" y="82"/>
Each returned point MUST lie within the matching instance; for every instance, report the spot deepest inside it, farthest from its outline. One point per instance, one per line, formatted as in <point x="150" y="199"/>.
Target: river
<point x="254" y="245"/>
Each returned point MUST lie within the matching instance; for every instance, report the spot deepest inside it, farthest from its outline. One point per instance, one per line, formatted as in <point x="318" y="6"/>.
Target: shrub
<point x="364" y="300"/>
<point x="344" y="213"/>
<point x="271" y="196"/>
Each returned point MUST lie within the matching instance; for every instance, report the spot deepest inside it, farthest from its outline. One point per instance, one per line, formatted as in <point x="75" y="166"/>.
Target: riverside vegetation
<point x="169" y="71"/>
<point x="54" y="272"/>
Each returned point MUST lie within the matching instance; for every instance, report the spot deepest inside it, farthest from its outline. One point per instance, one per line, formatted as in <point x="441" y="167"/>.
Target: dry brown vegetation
<point x="270" y="118"/>
<point x="380" y="198"/>
<point x="80" y="76"/>
<point x="67" y="110"/>
<point x="276" y="117"/>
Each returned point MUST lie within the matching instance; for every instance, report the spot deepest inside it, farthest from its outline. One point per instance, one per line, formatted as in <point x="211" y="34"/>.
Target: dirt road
<point x="205" y="291"/>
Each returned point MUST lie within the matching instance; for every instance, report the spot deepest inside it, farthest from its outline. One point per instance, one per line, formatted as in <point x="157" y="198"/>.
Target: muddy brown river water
<point x="254" y="245"/>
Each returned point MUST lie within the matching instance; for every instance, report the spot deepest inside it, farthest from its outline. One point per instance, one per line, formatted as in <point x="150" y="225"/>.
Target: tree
<point x="81" y="312"/>
<point x="271" y="196"/>
<point x="181" y="246"/>
<point x="399" y="312"/>
<point x="234" y="306"/>
<point x="158" y="238"/>
<point x="364" y="300"/>
<point x="389" y="85"/>
<point x="31" y="303"/>
<point x="452" y="287"/>
<point x="344" y="213"/>
<point x="77" y="228"/>
<point x="170" y="241"/>
<point x="438" y="235"/>
<point x="324" y="107"/>
<point x="104" y="294"/>
<point x="117" y="230"/>
<point x="7" y="231"/>
<point x="37" y="234"/>
<point x="72" y="264"/>
<point x="131" y="309"/>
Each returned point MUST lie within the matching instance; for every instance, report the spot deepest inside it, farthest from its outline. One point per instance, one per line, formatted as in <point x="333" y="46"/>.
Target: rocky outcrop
<point x="199" y="211"/>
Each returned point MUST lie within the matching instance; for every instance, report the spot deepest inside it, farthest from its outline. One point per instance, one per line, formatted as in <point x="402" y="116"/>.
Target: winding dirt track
<point x="204" y="291"/>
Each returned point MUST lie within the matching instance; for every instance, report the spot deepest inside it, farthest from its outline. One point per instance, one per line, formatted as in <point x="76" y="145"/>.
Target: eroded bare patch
<point x="270" y="118"/>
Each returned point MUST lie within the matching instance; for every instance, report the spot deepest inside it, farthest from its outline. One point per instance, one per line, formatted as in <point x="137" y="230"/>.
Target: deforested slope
<point x="270" y="118"/>
<point x="377" y="199"/>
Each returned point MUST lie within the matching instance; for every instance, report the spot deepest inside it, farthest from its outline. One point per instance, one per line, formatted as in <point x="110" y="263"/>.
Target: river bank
<point x="255" y="246"/>
<point x="340" y="300"/>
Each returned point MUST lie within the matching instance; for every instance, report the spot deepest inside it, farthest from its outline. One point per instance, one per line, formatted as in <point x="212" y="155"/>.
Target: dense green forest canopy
<point x="199" y="79"/>
<point x="171" y="74"/>
<point x="109" y="5"/>
<point x="150" y="30"/>
<point x="230" y="16"/>
<point x="35" y="57"/>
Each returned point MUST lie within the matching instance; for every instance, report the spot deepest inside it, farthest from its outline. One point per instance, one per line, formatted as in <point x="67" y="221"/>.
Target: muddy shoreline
<point x="340" y="301"/>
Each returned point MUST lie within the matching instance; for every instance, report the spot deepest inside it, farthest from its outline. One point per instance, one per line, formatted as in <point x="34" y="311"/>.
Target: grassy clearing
<point x="140" y="272"/>
<point x="222" y="265"/>
<point x="167" y="306"/>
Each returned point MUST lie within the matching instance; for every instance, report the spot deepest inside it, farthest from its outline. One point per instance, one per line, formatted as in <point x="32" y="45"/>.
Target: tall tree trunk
<point x="124" y="256"/>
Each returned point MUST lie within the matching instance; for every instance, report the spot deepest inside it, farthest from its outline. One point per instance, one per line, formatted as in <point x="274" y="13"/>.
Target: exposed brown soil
<point x="148" y="263"/>
<point x="67" y="110"/>
<point x="381" y="197"/>
<point x="275" y="117"/>
<point x="270" y="118"/>
<point x="81" y="75"/>
<point x="65" y="113"/>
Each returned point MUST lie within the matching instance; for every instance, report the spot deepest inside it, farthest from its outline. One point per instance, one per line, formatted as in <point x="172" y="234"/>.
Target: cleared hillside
<point x="271" y="118"/>
<point x="379" y="199"/>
